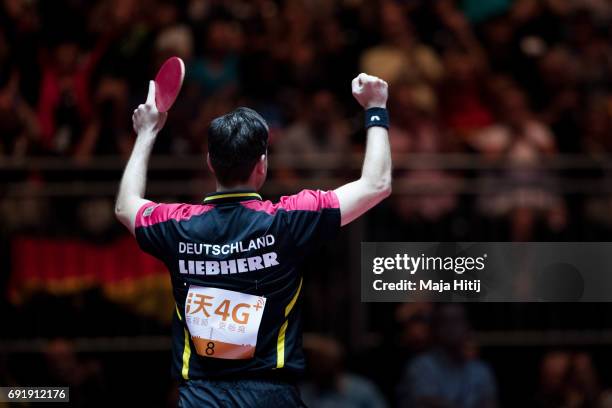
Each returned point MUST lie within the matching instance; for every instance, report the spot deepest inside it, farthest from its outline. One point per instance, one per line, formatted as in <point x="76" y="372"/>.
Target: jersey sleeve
<point x="154" y="233"/>
<point x="312" y="216"/>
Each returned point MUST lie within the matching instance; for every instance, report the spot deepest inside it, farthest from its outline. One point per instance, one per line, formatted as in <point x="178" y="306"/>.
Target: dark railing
<point x="565" y="174"/>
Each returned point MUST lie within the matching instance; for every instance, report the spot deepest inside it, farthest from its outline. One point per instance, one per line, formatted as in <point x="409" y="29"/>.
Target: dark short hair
<point x="236" y="141"/>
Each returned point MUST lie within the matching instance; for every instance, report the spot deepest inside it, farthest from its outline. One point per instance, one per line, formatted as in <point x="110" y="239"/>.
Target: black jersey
<point x="233" y="262"/>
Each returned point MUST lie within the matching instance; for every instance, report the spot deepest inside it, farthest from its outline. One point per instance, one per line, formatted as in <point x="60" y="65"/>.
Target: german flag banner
<point x="64" y="267"/>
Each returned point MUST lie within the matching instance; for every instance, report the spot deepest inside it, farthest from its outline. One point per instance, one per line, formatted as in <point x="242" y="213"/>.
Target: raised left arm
<point x="147" y="124"/>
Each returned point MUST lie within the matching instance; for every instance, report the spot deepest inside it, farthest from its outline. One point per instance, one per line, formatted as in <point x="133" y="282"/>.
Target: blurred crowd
<point x="432" y="361"/>
<point x="520" y="82"/>
<point x="519" y="87"/>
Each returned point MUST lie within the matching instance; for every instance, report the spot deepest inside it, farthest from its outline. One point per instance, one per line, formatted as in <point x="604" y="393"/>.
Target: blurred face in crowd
<point x="323" y="108"/>
<point x="15" y="8"/>
<point x="6" y="95"/>
<point x="597" y="121"/>
<point x="61" y="358"/>
<point x="460" y="66"/>
<point x="396" y="28"/>
<point x="223" y="37"/>
<point x="451" y="328"/>
<point x="582" y="28"/>
<point x="498" y="32"/>
<point x="569" y="375"/>
<point x="410" y="100"/>
<point x="514" y="107"/>
<point x="66" y="57"/>
<point x="402" y="98"/>
<point x="553" y="372"/>
<point x="166" y="14"/>
<point x="324" y="361"/>
<point x="526" y="9"/>
<point x="415" y="322"/>
<point x="303" y="56"/>
<point x="333" y="36"/>
<point x="123" y="11"/>
<point x="557" y="68"/>
<point x="217" y="36"/>
<point x="112" y="98"/>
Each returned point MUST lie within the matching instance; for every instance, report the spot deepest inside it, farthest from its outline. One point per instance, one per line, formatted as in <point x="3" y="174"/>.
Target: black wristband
<point x="376" y="117"/>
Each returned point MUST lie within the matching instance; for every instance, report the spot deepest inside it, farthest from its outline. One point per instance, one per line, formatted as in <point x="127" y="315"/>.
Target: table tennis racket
<point x="168" y="82"/>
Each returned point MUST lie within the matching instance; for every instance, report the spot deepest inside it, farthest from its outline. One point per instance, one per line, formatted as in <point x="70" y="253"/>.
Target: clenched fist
<point x="370" y="91"/>
<point x="146" y="117"/>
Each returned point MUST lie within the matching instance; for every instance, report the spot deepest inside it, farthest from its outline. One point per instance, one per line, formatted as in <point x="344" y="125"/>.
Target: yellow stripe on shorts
<point x="186" y="356"/>
<point x="280" y="343"/>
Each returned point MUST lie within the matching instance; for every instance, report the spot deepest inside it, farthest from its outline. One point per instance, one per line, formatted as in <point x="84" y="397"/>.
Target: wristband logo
<point x="377" y="117"/>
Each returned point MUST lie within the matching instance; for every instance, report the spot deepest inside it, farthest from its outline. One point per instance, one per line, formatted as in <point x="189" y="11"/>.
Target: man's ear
<point x="262" y="165"/>
<point x="210" y="167"/>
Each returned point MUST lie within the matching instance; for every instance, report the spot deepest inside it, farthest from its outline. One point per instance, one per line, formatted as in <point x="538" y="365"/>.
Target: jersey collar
<point x="231" y="196"/>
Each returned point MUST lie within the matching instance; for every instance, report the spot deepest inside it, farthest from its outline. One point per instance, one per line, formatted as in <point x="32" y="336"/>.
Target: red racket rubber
<point x="168" y="82"/>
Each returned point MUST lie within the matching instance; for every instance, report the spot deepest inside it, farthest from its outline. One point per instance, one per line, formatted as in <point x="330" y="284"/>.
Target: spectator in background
<point x="173" y="41"/>
<point x="20" y="32"/>
<point x="19" y="129"/>
<point x="537" y="27"/>
<point x="558" y="99"/>
<point x="6" y="377"/>
<point x="567" y="380"/>
<point x="84" y="377"/>
<point x="298" y="53"/>
<point x="216" y="70"/>
<point x="336" y="54"/>
<point x="416" y="130"/>
<point x="414" y="319"/>
<point x="407" y="338"/>
<point x="329" y="385"/>
<point x="448" y="376"/>
<point x="129" y="54"/>
<point x="589" y="44"/>
<point x="400" y="56"/>
<point x="596" y="128"/>
<point x="178" y="40"/>
<point x="605" y="400"/>
<point x="108" y="133"/>
<point x="497" y="35"/>
<point x="464" y="109"/>
<point x="319" y="132"/>
<point x="64" y="105"/>
<point x="520" y="139"/>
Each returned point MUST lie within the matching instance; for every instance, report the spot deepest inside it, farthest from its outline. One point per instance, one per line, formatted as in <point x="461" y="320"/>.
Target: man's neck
<point x="238" y="187"/>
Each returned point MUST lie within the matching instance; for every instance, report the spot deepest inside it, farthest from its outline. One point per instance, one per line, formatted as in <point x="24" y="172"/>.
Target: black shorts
<point x="239" y="393"/>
